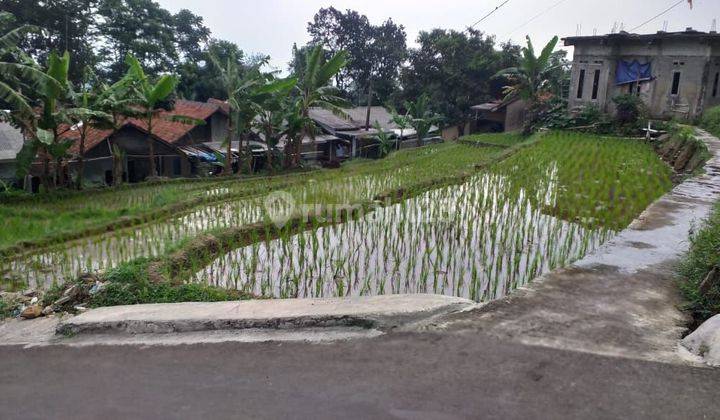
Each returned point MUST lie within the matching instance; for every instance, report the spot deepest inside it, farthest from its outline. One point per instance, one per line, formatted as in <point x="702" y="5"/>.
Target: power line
<point x="532" y="19"/>
<point x="658" y="15"/>
<point x="488" y="14"/>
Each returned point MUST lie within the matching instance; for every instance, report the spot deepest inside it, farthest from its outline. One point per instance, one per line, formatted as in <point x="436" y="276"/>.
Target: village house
<point x="675" y="73"/>
<point x="179" y="146"/>
<point x="500" y="115"/>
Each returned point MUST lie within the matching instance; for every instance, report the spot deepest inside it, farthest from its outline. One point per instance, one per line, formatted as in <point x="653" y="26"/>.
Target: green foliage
<point x="385" y="143"/>
<point x="630" y="111"/>
<point x="455" y="69"/>
<point x="375" y="52"/>
<point x="702" y="258"/>
<point x="494" y="139"/>
<point x="602" y="181"/>
<point x="711" y="120"/>
<point x="553" y="113"/>
<point x="531" y="77"/>
<point x="421" y="117"/>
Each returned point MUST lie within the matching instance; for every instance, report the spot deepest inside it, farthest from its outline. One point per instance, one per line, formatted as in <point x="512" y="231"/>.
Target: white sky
<point x="271" y="26"/>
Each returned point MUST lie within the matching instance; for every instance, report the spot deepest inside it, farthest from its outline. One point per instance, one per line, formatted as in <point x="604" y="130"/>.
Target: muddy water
<point x="471" y="240"/>
<point x="57" y="264"/>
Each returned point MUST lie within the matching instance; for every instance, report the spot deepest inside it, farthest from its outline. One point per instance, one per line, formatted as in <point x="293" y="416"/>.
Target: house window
<point x="581" y="84"/>
<point x="715" y="85"/>
<point x="675" y="84"/>
<point x="596" y="84"/>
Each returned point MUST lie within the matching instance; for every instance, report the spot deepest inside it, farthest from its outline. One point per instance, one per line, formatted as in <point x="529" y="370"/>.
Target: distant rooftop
<point x="622" y="36"/>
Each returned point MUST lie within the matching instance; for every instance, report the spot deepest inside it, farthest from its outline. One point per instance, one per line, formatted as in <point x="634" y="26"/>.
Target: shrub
<point x="711" y="120"/>
<point x="702" y="259"/>
<point x="629" y="110"/>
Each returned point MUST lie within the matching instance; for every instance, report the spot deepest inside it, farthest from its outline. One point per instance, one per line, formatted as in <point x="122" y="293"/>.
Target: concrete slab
<point x="621" y="300"/>
<point x="378" y="312"/>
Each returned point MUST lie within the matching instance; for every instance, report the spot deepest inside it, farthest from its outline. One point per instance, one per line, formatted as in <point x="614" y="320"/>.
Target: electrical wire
<point x="532" y="19"/>
<point x="490" y="13"/>
<point x="657" y="16"/>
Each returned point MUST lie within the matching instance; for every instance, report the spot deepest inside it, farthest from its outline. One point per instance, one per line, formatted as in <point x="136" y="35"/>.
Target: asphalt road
<point x="402" y="375"/>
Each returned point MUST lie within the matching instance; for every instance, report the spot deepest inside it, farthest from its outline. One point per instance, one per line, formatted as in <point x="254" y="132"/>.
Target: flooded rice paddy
<point x="469" y="240"/>
<point x="545" y="206"/>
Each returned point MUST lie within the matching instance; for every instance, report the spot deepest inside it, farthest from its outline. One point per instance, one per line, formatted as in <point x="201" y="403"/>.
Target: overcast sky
<point x="271" y="26"/>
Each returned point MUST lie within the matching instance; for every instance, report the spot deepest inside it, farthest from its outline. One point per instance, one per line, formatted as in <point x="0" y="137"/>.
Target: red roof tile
<point x="163" y="128"/>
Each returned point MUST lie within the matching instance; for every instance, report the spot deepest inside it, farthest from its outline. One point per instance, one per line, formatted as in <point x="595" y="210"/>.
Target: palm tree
<point x="315" y="90"/>
<point x="149" y="96"/>
<point x="421" y="118"/>
<point x="531" y="77"/>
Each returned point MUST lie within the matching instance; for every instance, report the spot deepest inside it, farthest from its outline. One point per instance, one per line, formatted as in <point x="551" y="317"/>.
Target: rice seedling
<point x="540" y="209"/>
<point x="221" y="204"/>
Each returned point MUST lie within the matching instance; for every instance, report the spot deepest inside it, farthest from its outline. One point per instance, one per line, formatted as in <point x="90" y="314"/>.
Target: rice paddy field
<point x="475" y="222"/>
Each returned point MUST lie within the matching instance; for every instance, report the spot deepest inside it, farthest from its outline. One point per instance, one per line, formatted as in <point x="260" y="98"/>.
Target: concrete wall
<point x="696" y="61"/>
<point x="515" y="115"/>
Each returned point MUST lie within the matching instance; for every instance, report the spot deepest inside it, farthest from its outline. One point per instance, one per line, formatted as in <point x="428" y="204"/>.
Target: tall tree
<point x="86" y="113"/>
<point x="69" y="25"/>
<point x="455" y="70"/>
<point x="200" y="79"/>
<point x="231" y="79"/>
<point x="375" y="53"/>
<point x="150" y="97"/>
<point x="315" y="90"/>
<point x="18" y="72"/>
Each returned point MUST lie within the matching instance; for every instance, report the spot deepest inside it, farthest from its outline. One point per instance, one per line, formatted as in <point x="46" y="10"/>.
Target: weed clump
<point x="700" y="270"/>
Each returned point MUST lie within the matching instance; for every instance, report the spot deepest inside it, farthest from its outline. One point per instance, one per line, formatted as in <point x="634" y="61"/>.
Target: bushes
<point x="629" y="110"/>
<point x="711" y="120"/>
<point x="700" y="271"/>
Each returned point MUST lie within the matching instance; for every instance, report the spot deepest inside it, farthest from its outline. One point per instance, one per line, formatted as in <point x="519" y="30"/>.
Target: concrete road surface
<point x="451" y="375"/>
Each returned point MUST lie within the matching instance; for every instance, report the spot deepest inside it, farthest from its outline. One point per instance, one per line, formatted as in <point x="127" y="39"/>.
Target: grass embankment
<point x="700" y="271"/>
<point x="42" y="220"/>
<point x="500" y="139"/>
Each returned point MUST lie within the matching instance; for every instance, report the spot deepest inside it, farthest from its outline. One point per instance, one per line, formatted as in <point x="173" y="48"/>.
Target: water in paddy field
<point x="472" y="240"/>
<point x="68" y="261"/>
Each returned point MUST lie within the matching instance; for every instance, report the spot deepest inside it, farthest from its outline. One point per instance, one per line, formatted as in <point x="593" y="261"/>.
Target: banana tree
<point x="402" y="122"/>
<point x="251" y="98"/>
<point x="315" y="90"/>
<point x="531" y="76"/>
<point x="18" y="72"/>
<point x="86" y="113"/>
<point x="149" y="96"/>
<point x="272" y="118"/>
<point x="231" y="78"/>
<point x="421" y="118"/>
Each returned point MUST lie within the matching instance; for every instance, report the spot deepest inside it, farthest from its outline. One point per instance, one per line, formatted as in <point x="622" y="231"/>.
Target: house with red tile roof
<point x="175" y="143"/>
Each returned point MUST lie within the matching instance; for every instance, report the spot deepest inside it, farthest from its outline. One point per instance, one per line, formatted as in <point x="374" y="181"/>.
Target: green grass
<point x="704" y="256"/>
<point x="711" y="120"/>
<point x="495" y="139"/>
<point x="602" y="181"/>
<point x="39" y="218"/>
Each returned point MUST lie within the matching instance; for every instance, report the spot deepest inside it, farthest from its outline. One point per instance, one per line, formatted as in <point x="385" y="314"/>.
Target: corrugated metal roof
<point x="331" y="121"/>
<point x="11" y="141"/>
